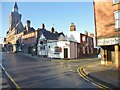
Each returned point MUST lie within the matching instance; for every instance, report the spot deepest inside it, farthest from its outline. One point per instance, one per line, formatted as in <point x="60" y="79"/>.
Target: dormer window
<point x="117" y="19"/>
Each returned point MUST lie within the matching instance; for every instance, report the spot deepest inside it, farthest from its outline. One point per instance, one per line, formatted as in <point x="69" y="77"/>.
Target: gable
<point x="42" y="37"/>
<point x="61" y="38"/>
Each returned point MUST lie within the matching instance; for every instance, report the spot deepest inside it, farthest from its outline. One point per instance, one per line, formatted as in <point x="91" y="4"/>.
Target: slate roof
<point x="49" y="35"/>
<point x="15" y="6"/>
<point x="30" y="30"/>
<point x="19" y="27"/>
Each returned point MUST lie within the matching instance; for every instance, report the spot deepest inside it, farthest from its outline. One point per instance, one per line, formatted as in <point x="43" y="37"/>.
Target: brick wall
<point x="104" y="19"/>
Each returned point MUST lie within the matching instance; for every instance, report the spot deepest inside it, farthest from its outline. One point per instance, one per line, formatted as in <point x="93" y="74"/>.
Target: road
<point x="31" y="73"/>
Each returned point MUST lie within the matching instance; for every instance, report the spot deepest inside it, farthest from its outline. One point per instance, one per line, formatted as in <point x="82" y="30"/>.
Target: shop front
<point x="110" y="51"/>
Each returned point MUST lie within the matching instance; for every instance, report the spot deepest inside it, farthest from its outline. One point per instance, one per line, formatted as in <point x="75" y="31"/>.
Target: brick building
<point x="85" y="46"/>
<point x="107" y="30"/>
<point x="15" y="28"/>
<point x="18" y="37"/>
<point x="29" y="38"/>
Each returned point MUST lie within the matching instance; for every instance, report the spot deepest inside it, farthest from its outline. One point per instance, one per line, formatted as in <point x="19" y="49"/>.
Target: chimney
<point x="43" y="26"/>
<point x="52" y="30"/>
<point x="91" y="35"/>
<point x="72" y="27"/>
<point x="27" y="24"/>
<point x="86" y="33"/>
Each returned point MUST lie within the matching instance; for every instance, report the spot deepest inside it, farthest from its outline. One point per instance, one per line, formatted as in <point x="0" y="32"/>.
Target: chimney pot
<point x="27" y="24"/>
<point x="52" y="29"/>
<point x="43" y="26"/>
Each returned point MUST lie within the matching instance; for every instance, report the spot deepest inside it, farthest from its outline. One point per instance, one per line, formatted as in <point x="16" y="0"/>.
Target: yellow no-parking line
<point x="12" y="80"/>
<point x="84" y="76"/>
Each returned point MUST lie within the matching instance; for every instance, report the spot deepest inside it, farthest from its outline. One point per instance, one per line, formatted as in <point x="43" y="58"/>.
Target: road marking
<point x="12" y="80"/>
<point x="84" y="76"/>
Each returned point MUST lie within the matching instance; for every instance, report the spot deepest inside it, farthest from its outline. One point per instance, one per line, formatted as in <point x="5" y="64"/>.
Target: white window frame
<point x="117" y="19"/>
<point x="56" y="49"/>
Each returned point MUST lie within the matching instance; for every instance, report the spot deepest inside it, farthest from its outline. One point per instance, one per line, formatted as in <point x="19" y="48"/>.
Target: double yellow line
<point x="84" y="76"/>
<point x="12" y="80"/>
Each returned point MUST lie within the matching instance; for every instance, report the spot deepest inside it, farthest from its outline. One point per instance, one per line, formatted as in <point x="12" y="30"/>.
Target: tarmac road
<point x="28" y="72"/>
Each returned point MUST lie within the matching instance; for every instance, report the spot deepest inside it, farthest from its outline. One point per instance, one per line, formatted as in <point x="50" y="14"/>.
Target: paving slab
<point x="108" y="75"/>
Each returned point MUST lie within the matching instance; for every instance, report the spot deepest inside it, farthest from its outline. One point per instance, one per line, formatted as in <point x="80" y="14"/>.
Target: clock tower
<point x="14" y="18"/>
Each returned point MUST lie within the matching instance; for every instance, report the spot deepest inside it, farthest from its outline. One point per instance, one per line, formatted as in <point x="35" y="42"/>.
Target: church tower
<point x="14" y="18"/>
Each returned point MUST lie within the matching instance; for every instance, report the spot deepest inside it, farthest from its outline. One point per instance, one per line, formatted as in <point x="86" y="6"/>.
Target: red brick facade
<point x="104" y="18"/>
<point x="107" y="34"/>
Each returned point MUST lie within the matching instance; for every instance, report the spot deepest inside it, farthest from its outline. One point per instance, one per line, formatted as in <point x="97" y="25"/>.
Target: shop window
<point x="116" y="1"/>
<point x="117" y="19"/>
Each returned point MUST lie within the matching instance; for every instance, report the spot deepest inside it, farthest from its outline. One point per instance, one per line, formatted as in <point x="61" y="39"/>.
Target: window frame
<point x="117" y="19"/>
<point x="56" y="50"/>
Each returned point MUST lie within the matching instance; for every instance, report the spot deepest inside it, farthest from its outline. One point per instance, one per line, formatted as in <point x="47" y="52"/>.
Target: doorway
<point x="65" y="53"/>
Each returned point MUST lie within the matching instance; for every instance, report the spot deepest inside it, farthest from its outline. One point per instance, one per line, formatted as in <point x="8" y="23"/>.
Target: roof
<point x="15" y="5"/>
<point x="19" y="28"/>
<point x="49" y="35"/>
<point x="30" y="30"/>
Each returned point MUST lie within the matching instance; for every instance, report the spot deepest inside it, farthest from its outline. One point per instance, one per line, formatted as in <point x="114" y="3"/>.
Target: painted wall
<point x="73" y="50"/>
<point x="74" y="36"/>
<point x="62" y="44"/>
<point x="42" y="48"/>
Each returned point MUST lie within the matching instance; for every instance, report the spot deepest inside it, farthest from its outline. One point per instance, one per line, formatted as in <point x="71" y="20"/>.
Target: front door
<point x="65" y="53"/>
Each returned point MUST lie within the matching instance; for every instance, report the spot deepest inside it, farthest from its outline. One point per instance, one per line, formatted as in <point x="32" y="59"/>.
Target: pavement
<point x="107" y="75"/>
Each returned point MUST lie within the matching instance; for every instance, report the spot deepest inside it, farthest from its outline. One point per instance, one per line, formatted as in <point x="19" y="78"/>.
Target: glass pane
<point x="117" y="19"/>
<point x="57" y="49"/>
